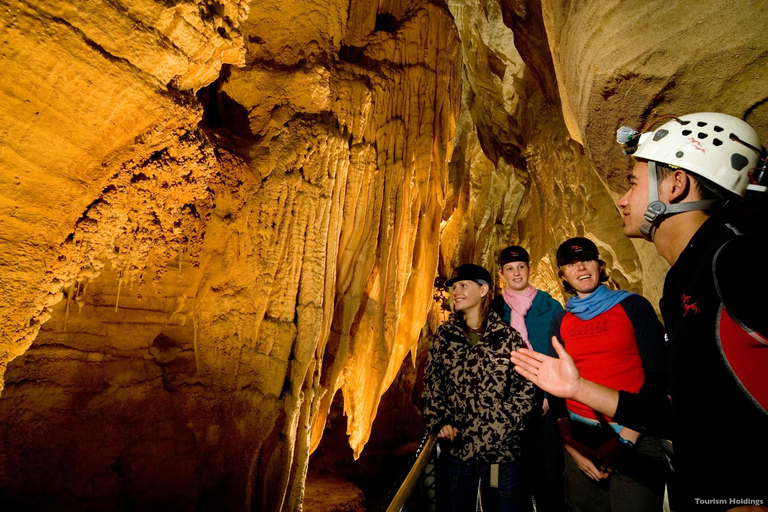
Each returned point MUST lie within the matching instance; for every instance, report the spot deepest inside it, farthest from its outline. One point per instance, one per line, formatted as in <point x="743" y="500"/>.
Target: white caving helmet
<point x="719" y="148"/>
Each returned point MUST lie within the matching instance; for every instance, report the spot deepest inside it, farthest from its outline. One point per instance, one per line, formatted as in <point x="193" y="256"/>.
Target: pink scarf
<point x="520" y="303"/>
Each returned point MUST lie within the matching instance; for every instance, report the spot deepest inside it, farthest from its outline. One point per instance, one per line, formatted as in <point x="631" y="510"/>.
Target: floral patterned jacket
<point x="475" y="389"/>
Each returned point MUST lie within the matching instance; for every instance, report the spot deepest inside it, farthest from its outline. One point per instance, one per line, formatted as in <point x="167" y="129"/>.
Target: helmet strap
<point x="657" y="210"/>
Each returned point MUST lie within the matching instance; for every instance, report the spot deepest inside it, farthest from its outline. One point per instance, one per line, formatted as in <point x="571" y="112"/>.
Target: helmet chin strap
<point x="657" y="210"/>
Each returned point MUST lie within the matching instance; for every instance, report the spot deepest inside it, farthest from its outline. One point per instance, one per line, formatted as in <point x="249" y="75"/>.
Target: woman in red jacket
<point x="616" y="340"/>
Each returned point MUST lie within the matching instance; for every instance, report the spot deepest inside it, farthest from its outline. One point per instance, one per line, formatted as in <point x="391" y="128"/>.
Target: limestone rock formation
<point x="87" y="89"/>
<point x="216" y="215"/>
<point x="204" y="270"/>
<point x="519" y="176"/>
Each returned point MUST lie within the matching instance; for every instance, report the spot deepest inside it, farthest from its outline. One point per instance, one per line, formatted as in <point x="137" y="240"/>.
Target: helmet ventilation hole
<point x="738" y="161"/>
<point x="702" y="135"/>
<point x="718" y="128"/>
<point x="701" y="123"/>
<point x="679" y="154"/>
<point x="686" y="132"/>
<point x="717" y="142"/>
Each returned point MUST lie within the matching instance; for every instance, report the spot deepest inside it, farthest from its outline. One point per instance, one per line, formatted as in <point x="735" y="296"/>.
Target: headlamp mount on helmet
<point x="629" y="138"/>
<point x="758" y="175"/>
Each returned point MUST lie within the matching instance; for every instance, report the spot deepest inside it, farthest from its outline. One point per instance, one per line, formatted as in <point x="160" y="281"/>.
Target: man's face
<point x="634" y="203"/>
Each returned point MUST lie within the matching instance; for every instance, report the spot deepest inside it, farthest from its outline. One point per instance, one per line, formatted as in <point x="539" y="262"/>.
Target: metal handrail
<point x="398" y="502"/>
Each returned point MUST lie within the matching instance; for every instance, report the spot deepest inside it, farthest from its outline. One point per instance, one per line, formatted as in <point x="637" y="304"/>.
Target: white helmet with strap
<point x="719" y="148"/>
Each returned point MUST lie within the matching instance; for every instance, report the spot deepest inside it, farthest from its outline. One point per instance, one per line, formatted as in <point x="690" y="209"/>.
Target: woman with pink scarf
<point x="530" y="311"/>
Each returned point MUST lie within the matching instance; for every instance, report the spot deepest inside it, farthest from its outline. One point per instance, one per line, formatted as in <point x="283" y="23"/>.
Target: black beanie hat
<point x="513" y="253"/>
<point x="576" y="249"/>
<point x="470" y="272"/>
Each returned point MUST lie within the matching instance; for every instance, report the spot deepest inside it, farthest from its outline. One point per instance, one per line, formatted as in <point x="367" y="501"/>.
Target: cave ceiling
<point x="217" y="214"/>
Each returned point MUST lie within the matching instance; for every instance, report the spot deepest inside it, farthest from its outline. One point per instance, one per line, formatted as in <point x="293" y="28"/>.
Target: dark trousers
<point x="463" y="478"/>
<point x="637" y="486"/>
<point x="542" y="467"/>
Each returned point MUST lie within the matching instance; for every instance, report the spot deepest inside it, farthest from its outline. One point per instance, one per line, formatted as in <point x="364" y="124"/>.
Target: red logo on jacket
<point x="688" y="305"/>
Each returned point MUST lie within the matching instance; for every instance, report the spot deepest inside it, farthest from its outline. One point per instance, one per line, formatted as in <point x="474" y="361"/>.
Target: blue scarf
<point x="596" y="303"/>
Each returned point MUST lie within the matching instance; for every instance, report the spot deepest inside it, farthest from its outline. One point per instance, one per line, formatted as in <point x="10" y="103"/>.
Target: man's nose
<point x="623" y="202"/>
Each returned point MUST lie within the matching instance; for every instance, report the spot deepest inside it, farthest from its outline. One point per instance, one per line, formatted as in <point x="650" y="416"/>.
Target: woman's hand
<point x="610" y="454"/>
<point x="557" y="376"/>
<point x="584" y="457"/>
<point x="448" y="432"/>
<point x="607" y="456"/>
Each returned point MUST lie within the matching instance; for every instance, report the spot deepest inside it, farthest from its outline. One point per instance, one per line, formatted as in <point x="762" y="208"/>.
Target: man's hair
<point x="703" y="188"/>
<point x="569" y="289"/>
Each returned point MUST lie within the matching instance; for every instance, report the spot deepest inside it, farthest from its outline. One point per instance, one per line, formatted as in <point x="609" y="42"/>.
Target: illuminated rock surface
<point x="216" y="215"/>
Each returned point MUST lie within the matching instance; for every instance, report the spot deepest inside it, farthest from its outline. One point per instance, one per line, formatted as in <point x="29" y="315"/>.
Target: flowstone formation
<point x="218" y="216"/>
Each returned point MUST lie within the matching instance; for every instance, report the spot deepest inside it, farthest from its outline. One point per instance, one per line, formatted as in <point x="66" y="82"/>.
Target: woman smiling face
<point x="583" y="276"/>
<point x="467" y="295"/>
<point x="515" y="275"/>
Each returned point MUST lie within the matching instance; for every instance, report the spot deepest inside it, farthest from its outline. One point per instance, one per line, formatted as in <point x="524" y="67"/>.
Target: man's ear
<point x="678" y="186"/>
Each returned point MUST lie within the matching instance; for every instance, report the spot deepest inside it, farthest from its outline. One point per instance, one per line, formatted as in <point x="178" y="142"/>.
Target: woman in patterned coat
<point x="474" y="399"/>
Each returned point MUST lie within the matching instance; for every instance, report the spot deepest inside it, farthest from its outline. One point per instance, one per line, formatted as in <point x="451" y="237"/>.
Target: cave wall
<point x="217" y="215"/>
<point x="518" y="176"/>
<point x="86" y="89"/>
<point x="651" y="58"/>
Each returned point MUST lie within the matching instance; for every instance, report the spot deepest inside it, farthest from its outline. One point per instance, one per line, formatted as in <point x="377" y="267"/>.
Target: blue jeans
<point x="463" y="478"/>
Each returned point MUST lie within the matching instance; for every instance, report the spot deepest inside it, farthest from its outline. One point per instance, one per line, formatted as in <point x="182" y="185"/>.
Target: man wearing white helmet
<point x="685" y="170"/>
<point x="713" y="309"/>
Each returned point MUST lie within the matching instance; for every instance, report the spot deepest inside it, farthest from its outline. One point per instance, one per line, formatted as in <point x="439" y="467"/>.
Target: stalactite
<point x="70" y="293"/>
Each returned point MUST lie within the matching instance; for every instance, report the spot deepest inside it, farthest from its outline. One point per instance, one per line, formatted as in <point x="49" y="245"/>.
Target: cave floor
<point x="326" y="492"/>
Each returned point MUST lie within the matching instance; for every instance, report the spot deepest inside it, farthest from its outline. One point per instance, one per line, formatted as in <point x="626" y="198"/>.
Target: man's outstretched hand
<point x="560" y="377"/>
<point x="556" y="376"/>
